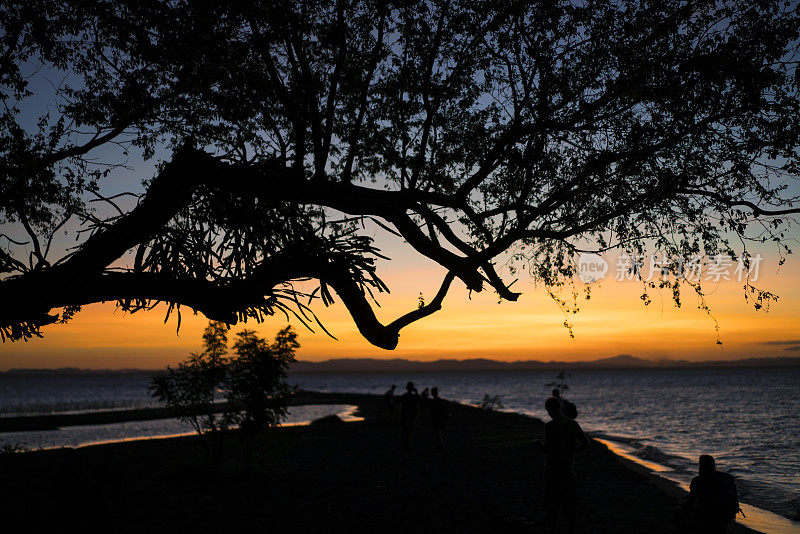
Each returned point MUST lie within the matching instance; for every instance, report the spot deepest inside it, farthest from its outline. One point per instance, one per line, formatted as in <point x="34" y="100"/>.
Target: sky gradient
<point x="614" y="321"/>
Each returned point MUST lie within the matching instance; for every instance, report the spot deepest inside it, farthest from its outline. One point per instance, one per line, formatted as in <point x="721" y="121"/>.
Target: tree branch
<point x="757" y="210"/>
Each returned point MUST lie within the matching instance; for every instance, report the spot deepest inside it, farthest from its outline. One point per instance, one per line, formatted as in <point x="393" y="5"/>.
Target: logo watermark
<point x="717" y="268"/>
<point x="591" y="268"/>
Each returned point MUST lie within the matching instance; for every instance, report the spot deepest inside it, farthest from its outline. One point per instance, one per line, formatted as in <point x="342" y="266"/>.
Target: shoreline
<point x="370" y="407"/>
<point x="755" y="519"/>
<point x="27" y="423"/>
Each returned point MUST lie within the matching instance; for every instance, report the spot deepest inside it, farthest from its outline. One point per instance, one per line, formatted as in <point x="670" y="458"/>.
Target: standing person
<point x="409" y="408"/>
<point x="713" y="500"/>
<point x="388" y="399"/>
<point x="439" y="416"/>
<point x="567" y="408"/>
<point x="557" y="395"/>
<point x="562" y="437"/>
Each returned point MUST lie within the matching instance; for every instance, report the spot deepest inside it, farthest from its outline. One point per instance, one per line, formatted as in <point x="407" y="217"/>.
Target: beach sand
<point x="332" y="477"/>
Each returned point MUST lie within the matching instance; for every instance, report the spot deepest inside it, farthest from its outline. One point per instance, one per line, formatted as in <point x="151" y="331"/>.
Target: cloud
<point x="786" y="342"/>
<point x="796" y="347"/>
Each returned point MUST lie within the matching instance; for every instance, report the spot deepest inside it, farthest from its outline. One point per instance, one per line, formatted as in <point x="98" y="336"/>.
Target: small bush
<point x="491" y="403"/>
<point x="192" y="387"/>
<point x="252" y="382"/>
<point x="256" y="382"/>
<point x="13" y="448"/>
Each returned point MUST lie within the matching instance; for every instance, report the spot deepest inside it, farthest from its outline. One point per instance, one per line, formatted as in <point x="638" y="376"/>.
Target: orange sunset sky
<point x="613" y="322"/>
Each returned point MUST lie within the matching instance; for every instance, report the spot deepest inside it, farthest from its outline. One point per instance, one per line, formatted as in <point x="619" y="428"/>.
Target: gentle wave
<point x="746" y="419"/>
<point x="673" y="468"/>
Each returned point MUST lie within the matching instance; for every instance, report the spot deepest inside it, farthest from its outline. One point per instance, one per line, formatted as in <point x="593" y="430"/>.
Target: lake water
<point x="748" y="419"/>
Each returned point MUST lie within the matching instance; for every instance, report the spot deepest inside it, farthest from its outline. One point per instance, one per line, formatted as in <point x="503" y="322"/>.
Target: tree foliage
<point x="192" y="387"/>
<point x="256" y="382"/>
<point x="519" y="131"/>
<point x="251" y="382"/>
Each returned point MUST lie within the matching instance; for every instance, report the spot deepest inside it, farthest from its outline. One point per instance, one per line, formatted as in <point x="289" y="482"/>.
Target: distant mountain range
<point x="623" y="361"/>
<point x="373" y="365"/>
<point x="68" y="371"/>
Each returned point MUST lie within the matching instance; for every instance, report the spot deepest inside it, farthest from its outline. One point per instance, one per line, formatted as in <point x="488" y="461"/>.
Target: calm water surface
<point x="748" y="419"/>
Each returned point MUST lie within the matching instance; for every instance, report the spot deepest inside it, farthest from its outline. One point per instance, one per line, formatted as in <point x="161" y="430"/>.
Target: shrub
<point x="256" y="382"/>
<point x="491" y="403"/>
<point x="13" y="448"/>
<point x="191" y="388"/>
<point x="252" y="381"/>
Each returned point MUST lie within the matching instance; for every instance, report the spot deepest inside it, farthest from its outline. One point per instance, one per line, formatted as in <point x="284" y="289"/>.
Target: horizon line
<point x="609" y="359"/>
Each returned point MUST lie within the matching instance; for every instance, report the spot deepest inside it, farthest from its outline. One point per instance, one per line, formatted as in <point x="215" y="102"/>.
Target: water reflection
<point x="84" y="435"/>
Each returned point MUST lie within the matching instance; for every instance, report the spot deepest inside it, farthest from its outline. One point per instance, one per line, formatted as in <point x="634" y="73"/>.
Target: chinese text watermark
<point x="717" y="268"/>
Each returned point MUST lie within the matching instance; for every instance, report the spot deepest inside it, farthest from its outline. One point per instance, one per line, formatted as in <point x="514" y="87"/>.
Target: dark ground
<point x="328" y="477"/>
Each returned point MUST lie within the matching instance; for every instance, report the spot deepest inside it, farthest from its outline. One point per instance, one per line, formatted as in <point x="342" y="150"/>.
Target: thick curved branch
<point x="278" y="183"/>
<point x="757" y="210"/>
<point x="82" y="277"/>
<point x="385" y="337"/>
<point x="225" y="302"/>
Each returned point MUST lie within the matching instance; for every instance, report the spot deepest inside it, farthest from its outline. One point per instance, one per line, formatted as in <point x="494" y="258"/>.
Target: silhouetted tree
<point x="215" y="341"/>
<point x="490" y="402"/>
<point x="252" y="382"/>
<point x="287" y="132"/>
<point x="256" y="383"/>
<point x="192" y="387"/>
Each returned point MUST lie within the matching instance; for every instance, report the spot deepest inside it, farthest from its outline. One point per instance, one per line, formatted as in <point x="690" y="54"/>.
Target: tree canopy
<point x="479" y="130"/>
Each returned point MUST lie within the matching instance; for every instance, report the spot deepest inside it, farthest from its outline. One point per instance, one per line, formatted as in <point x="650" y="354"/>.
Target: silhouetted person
<point x="439" y="415"/>
<point x="713" y="500"/>
<point x="409" y="408"/>
<point x="567" y="408"/>
<point x="388" y="399"/>
<point x="562" y="437"/>
<point x="557" y="395"/>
